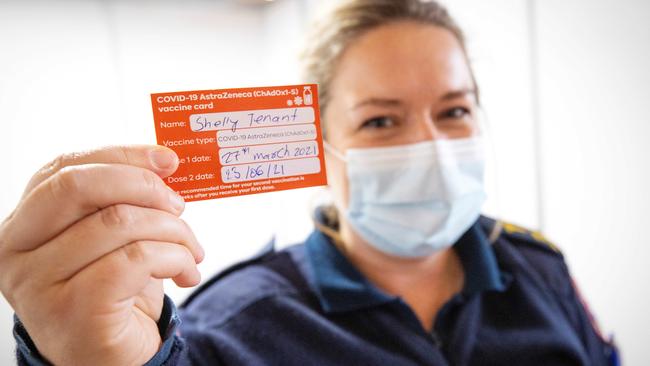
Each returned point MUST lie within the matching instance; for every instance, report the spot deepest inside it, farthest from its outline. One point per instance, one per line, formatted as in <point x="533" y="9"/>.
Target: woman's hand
<point x="83" y="255"/>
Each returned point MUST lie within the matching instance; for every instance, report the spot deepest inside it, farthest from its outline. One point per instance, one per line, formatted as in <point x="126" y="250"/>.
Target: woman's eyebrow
<point x="387" y="102"/>
<point x="459" y="94"/>
<point x="382" y="102"/>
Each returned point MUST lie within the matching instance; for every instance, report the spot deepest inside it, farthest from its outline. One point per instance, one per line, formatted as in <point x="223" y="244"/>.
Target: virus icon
<point x="289" y="102"/>
<point x="297" y="100"/>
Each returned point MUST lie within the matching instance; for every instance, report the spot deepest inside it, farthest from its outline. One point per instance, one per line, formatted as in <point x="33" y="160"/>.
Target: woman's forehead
<point x="403" y="57"/>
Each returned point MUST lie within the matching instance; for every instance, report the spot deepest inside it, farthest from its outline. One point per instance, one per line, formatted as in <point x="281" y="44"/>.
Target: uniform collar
<point x="482" y="273"/>
<point x="341" y="287"/>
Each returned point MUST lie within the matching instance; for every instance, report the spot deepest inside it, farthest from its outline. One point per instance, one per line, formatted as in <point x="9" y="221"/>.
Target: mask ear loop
<point x="323" y="197"/>
<point x="323" y="200"/>
<point x="492" y="206"/>
<point x="332" y="150"/>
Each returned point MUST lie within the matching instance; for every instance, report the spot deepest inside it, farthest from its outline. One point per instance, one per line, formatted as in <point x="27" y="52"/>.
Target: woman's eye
<point x="378" y="122"/>
<point x="456" y="113"/>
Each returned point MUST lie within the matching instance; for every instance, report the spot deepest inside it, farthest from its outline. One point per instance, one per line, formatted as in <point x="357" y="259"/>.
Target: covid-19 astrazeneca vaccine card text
<point x="233" y="142"/>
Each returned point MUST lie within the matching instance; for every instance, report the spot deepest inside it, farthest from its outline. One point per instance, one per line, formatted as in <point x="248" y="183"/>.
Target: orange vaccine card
<point x="232" y="142"/>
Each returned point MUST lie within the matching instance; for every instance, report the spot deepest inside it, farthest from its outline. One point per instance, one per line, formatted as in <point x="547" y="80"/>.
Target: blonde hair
<point x="333" y="35"/>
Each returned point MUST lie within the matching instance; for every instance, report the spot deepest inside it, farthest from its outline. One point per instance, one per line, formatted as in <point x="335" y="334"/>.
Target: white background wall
<point x="594" y="136"/>
<point x="564" y="85"/>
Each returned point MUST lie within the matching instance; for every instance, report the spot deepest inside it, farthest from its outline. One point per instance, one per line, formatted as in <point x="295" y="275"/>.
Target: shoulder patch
<point x="530" y="236"/>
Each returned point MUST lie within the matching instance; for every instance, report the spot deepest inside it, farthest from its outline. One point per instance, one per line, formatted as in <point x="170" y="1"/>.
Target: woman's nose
<point x="426" y="129"/>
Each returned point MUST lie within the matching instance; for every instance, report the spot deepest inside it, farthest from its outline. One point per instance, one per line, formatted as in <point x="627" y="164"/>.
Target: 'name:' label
<point x="233" y="142"/>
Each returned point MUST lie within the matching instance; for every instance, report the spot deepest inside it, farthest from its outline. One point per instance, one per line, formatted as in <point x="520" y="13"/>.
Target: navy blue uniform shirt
<point x="308" y="305"/>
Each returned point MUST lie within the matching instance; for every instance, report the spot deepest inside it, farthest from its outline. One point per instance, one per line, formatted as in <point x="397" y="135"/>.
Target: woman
<point x="401" y="270"/>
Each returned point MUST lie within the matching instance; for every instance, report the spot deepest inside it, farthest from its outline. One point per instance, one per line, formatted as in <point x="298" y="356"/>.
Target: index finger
<point x="159" y="159"/>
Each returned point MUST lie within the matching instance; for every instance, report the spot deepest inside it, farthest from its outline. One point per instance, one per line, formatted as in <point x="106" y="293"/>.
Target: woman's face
<point x="398" y="84"/>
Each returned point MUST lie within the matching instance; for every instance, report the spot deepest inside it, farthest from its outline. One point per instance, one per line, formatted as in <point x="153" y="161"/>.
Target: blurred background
<point x="565" y="87"/>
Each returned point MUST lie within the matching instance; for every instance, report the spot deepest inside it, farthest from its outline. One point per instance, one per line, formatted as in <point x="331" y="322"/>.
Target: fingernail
<point x="201" y="254"/>
<point x="162" y="159"/>
<point x="176" y="200"/>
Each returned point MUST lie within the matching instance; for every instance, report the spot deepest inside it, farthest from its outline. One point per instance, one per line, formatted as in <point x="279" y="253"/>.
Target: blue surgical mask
<point x="414" y="200"/>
